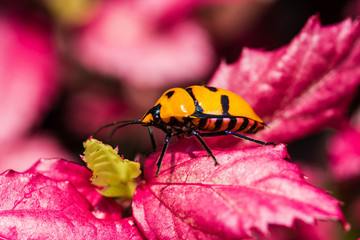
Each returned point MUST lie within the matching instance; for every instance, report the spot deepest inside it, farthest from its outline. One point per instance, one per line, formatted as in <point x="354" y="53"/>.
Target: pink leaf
<point x="79" y="176"/>
<point x="344" y="151"/>
<point x="27" y="74"/>
<point x="32" y="148"/>
<point x="300" y="88"/>
<point x="249" y="190"/>
<point x="37" y="207"/>
<point x="80" y="109"/>
<point x="128" y="40"/>
<point x="171" y="11"/>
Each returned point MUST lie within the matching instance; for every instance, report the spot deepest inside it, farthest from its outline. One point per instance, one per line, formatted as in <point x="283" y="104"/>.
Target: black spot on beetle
<point x="225" y="104"/>
<point x="213" y="89"/>
<point x="169" y="94"/>
<point x="197" y="106"/>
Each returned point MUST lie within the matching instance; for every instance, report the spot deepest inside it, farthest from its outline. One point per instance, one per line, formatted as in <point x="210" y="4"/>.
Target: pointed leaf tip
<point x="302" y="87"/>
<point x="34" y="206"/>
<point x="249" y="189"/>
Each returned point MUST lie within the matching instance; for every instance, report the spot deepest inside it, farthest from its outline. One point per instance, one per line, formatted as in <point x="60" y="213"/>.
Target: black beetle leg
<point x="153" y="143"/>
<point x="166" y="144"/>
<point x="213" y="134"/>
<point x="199" y="138"/>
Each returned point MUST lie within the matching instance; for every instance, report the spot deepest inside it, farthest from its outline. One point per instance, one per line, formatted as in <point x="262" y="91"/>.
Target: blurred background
<point x="68" y="67"/>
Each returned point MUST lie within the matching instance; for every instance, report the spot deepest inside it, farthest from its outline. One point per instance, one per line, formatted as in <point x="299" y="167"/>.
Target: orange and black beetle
<point x="199" y="111"/>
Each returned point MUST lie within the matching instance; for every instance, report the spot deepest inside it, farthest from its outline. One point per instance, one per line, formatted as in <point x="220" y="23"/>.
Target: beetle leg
<point x="213" y="134"/>
<point x="166" y="144"/>
<point x="153" y="143"/>
<point x="250" y="139"/>
<point x="199" y="138"/>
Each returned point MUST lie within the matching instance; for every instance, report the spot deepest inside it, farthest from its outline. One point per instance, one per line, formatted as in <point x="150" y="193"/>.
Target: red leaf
<point x="79" y="176"/>
<point x="28" y="68"/>
<point x="249" y="190"/>
<point x="80" y="109"/>
<point x="132" y="41"/>
<point x="32" y="147"/>
<point x="300" y="88"/>
<point x="37" y="207"/>
<point x="344" y="151"/>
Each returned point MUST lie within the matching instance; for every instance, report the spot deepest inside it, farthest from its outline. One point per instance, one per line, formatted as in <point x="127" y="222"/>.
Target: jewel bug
<point x="199" y="111"/>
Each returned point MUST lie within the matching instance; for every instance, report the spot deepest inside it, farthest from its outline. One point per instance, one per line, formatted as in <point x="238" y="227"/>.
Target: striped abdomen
<point x="234" y="124"/>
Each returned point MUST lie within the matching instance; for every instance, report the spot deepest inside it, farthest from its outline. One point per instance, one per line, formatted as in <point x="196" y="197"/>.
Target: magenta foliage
<point x="344" y="153"/>
<point x="133" y="41"/>
<point x="300" y="88"/>
<point x="79" y="176"/>
<point x="297" y="90"/>
<point x="248" y="191"/>
<point x="27" y="75"/>
<point x="50" y="200"/>
<point x="40" y="145"/>
<point x="28" y="87"/>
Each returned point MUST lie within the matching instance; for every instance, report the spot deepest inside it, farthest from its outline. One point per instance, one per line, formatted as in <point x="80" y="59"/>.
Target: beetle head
<point x="152" y="117"/>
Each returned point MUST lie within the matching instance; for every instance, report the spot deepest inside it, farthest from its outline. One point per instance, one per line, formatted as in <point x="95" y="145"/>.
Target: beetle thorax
<point x="168" y="124"/>
<point x="152" y="117"/>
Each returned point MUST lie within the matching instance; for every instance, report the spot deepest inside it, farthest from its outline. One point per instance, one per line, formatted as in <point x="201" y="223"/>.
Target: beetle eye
<point x="156" y="117"/>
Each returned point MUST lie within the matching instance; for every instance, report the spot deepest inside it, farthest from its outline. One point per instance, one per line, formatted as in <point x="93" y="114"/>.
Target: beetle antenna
<point x="138" y="121"/>
<point x="120" y="123"/>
